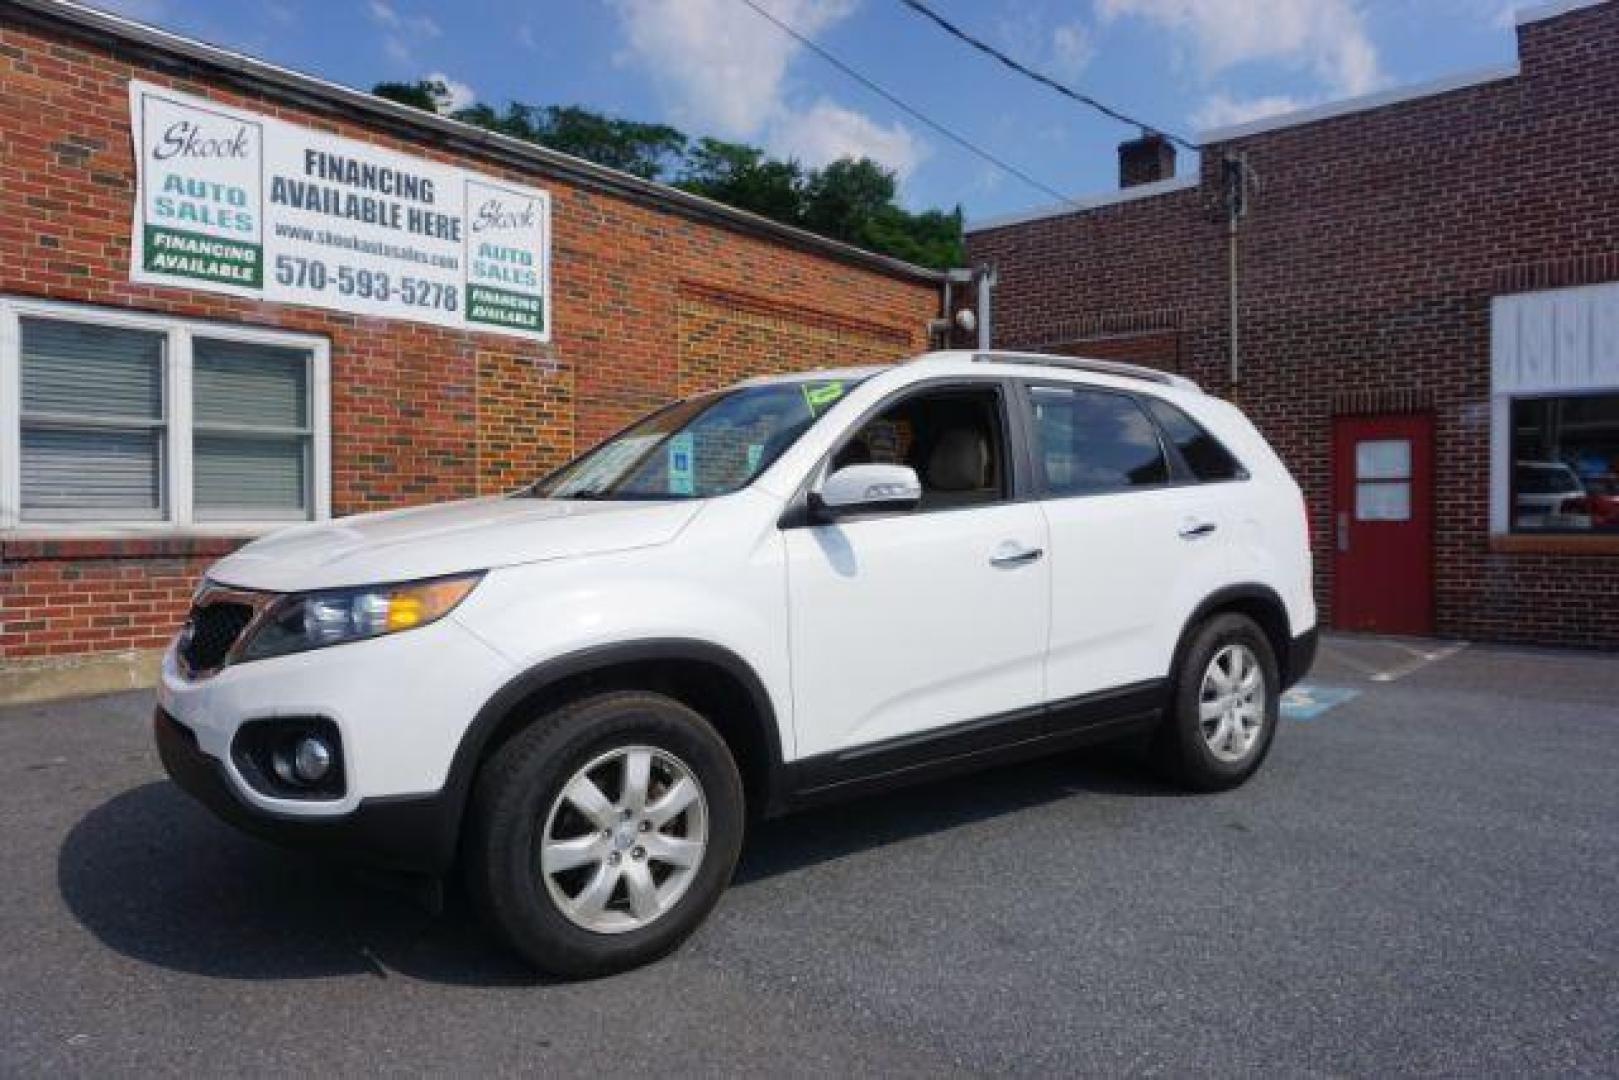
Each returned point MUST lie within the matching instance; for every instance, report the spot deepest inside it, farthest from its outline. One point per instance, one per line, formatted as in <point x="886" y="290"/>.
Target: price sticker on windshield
<point x="822" y="396"/>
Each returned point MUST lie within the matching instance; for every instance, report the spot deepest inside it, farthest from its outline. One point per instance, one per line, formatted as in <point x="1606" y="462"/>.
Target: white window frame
<point x="179" y="333"/>
<point x="1554" y="343"/>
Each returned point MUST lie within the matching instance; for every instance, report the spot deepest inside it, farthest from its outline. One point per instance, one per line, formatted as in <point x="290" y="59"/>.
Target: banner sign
<point x="233" y="202"/>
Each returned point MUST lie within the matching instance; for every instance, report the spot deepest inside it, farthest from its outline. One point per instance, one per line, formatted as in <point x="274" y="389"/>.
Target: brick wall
<point x="88" y="597"/>
<point x="419" y="414"/>
<point x="1375" y="243"/>
<point x="726" y="336"/>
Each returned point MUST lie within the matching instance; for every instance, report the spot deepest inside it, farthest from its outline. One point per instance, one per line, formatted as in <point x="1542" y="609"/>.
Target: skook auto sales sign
<point x="233" y="202"/>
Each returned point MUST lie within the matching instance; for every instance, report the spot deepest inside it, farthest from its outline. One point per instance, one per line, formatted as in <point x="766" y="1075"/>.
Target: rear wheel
<point x="603" y="834"/>
<point x="1227" y="699"/>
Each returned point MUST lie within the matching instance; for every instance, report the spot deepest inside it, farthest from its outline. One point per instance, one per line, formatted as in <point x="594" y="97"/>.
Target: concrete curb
<point x="26" y="681"/>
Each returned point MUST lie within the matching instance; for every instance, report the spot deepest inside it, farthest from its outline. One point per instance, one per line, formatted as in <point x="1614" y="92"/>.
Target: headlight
<point x="315" y="620"/>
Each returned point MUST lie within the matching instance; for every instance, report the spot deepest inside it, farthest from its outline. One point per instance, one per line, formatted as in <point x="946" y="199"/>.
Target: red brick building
<point x="147" y="428"/>
<point x="1427" y="325"/>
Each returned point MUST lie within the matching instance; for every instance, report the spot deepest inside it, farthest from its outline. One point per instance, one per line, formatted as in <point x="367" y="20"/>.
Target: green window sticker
<point x="822" y="396"/>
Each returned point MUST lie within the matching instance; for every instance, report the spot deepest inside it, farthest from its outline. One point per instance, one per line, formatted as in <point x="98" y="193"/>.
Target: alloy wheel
<point x="624" y="840"/>
<point x="1231" y="703"/>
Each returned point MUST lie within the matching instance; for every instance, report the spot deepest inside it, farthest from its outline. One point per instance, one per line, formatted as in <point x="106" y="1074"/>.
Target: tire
<point x="581" y="886"/>
<point x="1205" y="752"/>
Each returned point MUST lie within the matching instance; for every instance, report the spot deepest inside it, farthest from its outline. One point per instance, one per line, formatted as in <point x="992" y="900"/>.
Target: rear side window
<point x="1201" y="451"/>
<point x="1091" y="441"/>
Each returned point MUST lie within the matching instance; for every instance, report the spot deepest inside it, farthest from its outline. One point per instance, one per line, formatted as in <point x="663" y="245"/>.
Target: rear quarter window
<point x="1205" y="455"/>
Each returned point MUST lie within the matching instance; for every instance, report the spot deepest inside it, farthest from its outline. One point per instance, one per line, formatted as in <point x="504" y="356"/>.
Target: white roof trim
<point x="1364" y="103"/>
<point x="1542" y="12"/>
<point x="1081" y="203"/>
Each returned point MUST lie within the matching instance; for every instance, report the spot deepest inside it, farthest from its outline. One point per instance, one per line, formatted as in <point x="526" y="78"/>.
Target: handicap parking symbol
<point x="1306" y="701"/>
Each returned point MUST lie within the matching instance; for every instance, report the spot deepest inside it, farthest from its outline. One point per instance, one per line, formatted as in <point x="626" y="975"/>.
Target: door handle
<point x="1197" y="530"/>
<point x="1010" y="554"/>
<point x="1343" y="530"/>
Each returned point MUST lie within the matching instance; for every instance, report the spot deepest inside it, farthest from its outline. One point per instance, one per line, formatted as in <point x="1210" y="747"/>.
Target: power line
<point x="915" y="113"/>
<point x="1046" y="80"/>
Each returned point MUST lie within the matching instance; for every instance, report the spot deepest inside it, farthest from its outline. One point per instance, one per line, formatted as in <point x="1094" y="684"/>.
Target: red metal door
<point x="1383" y="523"/>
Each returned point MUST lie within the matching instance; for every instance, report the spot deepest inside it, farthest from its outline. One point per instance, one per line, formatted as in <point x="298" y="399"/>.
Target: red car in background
<point x="1602" y="500"/>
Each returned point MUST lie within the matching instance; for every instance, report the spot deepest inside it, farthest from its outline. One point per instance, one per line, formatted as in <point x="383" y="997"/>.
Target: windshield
<point x="704" y="446"/>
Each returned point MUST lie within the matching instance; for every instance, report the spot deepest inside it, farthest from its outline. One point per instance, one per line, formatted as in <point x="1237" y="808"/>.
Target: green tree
<point x="650" y="151"/>
<point x="853" y="200"/>
<point x="513" y="120"/>
<point x="424" y="94"/>
<point x="929" y="238"/>
<point x="742" y="176"/>
<point x="842" y="198"/>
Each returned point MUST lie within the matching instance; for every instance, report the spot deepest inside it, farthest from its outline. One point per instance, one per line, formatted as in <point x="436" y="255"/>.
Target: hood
<point x="428" y="541"/>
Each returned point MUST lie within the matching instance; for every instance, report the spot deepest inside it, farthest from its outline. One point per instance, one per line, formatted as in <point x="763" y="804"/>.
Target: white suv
<point x="797" y="589"/>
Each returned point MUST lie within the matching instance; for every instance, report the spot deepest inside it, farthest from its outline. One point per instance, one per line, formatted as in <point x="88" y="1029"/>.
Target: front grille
<point x="211" y="631"/>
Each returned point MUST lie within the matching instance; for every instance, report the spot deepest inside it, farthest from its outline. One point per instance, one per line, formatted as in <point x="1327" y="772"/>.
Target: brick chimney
<point x="1146" y="160"/>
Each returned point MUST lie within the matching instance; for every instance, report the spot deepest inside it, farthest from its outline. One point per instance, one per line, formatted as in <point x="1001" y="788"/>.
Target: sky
<point x="715" y="67"/>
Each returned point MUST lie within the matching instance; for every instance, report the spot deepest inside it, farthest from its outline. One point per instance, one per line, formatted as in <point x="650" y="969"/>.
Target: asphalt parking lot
<point x="1424" y="879"/>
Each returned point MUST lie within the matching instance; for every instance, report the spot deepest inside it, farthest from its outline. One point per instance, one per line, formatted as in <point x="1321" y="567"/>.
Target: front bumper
<point x="414" y="834"/>
<point x="400" y="706"/>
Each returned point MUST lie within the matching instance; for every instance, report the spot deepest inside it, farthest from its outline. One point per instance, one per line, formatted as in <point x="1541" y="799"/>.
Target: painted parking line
<point x="1307" y="701"/>
<point x="1379" y="659"/>
<point x="1420" y="658"/>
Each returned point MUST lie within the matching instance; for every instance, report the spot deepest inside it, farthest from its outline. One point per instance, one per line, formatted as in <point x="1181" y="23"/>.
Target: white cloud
<point x="827" y="131"/>
<point x="457" y="94"/>
<point x="723" y="70"/>
<point x="1072" y="50"/>
<point x="401" y="31"/>
<point x="1326" y="37"/>
<point x="1223" y="111"/>
<point x="720" y="66"/>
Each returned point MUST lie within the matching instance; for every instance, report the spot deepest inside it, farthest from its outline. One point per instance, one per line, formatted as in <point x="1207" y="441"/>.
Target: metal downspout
<point x="987" y="279"/>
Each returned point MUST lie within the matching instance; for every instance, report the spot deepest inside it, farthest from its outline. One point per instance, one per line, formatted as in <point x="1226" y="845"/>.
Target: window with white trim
<point x="1565" y="463"/>
<point x="111" y="419"/>
<point x="1554" y="411"/>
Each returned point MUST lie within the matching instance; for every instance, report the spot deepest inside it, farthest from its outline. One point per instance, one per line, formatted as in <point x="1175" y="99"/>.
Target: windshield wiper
<point x="536" y="492"/>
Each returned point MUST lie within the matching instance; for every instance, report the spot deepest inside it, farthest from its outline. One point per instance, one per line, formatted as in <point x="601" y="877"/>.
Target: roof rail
<point x="1099" y="367"/>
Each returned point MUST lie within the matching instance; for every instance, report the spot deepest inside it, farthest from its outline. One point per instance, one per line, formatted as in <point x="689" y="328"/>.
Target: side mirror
<point x="866" y="489"/>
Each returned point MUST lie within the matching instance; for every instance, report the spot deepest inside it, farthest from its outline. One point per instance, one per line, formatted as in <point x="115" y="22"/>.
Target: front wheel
<point x="1227" y="699"/>
<point x="604" y="833"/>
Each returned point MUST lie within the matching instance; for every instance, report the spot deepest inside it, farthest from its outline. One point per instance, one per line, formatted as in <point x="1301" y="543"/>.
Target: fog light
<point x="295" y="757"/>
<point x="311" y="760"/>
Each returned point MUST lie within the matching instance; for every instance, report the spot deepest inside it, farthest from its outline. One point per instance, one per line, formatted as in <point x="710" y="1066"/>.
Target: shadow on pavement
<point x="155" y="877"/>
<point x="790" y="843"/>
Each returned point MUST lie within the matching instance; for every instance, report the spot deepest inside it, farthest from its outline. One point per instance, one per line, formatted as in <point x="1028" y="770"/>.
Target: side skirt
<point x="975" y="744"/>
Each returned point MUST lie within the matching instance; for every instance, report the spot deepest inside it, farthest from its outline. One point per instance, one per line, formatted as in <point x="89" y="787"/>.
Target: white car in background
<point x="1548" y="495"/>
<point x="794" y="590"/>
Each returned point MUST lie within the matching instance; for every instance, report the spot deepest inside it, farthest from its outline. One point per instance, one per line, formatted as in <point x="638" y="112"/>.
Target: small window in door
<point x="1383" y="480"/>
<point x="954" y="438"/>
<point x="1093" y="441"/>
